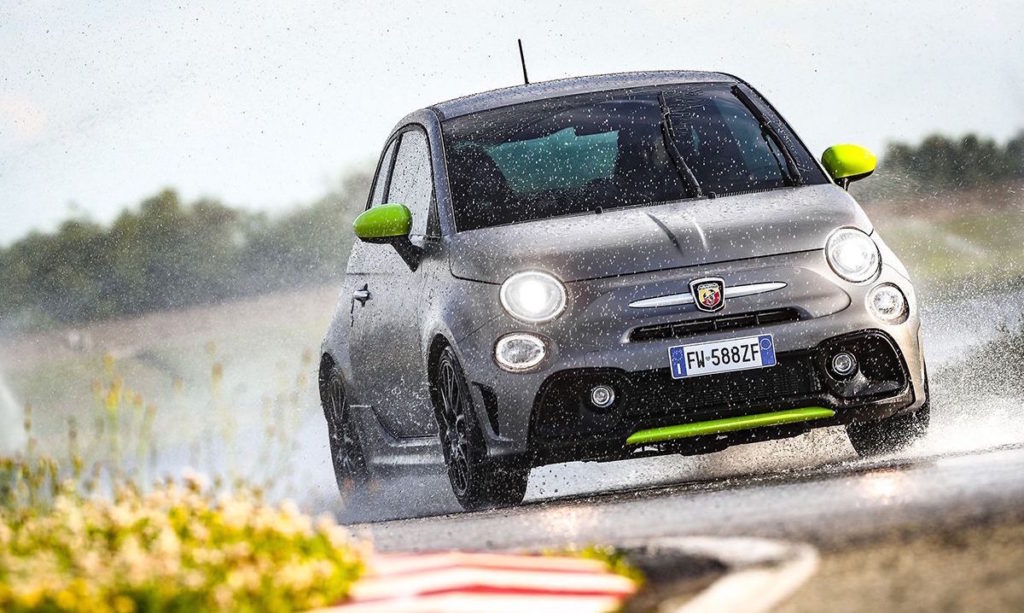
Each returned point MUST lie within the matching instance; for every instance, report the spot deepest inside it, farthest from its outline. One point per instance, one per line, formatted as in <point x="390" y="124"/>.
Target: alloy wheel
<point x="348" y="454"/>
<point x="455" y="434"/>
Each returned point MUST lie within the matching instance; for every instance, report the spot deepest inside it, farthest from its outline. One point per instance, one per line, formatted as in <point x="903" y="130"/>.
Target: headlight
<point x="518" y="352"/>
<point x="533" y="296"/>
<point x="887" y="303"/>
<point x="852" y="255"/>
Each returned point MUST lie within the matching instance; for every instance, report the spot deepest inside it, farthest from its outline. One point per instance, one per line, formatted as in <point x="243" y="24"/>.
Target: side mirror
<point x="383" y="224"/>
<point x="846" y="163"/>
<point x="389" y="224"/>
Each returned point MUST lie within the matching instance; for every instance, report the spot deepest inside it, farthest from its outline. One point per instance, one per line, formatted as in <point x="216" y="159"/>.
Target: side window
<point x="382" y="174"/>
<point x="412" y="183"/>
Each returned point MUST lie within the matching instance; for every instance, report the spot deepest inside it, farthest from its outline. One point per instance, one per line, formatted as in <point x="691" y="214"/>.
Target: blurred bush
<point x="93" y="532"/>
<point x="177" y="547"/>
<point x="168" y="254"/>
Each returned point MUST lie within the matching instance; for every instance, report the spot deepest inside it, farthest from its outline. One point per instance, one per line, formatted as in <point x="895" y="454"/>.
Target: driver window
<point x="382" y="174"/>
<point x="412" y="183"/>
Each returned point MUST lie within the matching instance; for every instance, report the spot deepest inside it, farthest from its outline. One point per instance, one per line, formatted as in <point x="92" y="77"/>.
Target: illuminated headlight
<point x="852" y="255"/>
<point x="887" y="303"/>
<point x="519" y="352"/>
<point x="533" y="296"/>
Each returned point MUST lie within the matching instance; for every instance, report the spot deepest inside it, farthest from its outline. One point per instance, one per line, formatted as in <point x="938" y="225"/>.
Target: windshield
<point x="613" y="149"/>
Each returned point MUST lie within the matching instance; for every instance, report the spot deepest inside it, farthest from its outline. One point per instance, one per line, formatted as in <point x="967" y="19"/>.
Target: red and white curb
<point x="496" y="583"/>
<point x="761" y="574"/>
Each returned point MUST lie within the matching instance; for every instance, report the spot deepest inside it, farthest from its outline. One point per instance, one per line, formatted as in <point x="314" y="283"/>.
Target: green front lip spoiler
<point x="729" y="424"/>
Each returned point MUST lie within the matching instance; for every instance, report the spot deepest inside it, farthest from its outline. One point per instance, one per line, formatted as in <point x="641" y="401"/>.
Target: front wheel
<point x="891" y="434"/>
<point x="477" y="481"/>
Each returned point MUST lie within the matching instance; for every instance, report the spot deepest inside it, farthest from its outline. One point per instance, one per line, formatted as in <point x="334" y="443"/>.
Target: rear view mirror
<point x="390" y="224"/>
<point x="846" y="163"/>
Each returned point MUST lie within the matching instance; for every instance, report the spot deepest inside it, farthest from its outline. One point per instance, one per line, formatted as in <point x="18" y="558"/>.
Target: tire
<point x="347" y="457"/>
<point x="477" y="482"/>
<point x="889" y="435"/>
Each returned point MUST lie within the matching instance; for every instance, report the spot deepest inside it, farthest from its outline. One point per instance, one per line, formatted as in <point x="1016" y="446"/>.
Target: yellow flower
<point x="65" y="600"/>
<point x="124" y="604"/>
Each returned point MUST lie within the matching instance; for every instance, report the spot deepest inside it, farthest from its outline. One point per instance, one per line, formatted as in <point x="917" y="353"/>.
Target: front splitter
<point x="729" y="424"/>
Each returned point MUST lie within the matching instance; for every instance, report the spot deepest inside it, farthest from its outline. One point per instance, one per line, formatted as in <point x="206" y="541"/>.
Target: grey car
<point x="611" y="267"/>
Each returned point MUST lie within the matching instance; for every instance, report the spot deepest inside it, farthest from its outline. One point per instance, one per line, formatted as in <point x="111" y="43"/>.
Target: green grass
<point x="952" y="249"/>
<point x="230" y="380"/>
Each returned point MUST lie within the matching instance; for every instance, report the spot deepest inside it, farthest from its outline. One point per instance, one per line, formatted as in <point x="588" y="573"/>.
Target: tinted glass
<point x="412" y="183"/>
<point x="722" y="142"/>
<point x="382" y="175"/>
<point x="805" y="162"/>
<point x="575" y="154"/>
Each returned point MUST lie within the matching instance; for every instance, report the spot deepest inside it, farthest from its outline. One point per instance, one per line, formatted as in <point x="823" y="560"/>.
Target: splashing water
<point x="12" y="432"/>
<point x="977" y="394"/>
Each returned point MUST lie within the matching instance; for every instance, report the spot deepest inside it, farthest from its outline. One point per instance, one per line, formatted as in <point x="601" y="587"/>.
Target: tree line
<point x="168" y="254"/>
<point x="943" y="163"/>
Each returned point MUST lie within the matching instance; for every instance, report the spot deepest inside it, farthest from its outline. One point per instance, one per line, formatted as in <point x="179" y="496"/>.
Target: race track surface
<point x="827" y="504"/>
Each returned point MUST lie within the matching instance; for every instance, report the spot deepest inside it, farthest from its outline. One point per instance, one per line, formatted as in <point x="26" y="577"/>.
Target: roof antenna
<point x="522" y="60"/>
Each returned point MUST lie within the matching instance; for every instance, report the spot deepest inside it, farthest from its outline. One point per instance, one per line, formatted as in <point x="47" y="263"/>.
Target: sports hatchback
<point x="610" y="267"/>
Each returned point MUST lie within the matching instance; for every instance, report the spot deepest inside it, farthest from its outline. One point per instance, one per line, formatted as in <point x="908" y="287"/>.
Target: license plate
<point x="722" y="356"/>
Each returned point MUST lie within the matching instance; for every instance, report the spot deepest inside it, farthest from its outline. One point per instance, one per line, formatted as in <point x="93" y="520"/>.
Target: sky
<point x="264" y="105"/>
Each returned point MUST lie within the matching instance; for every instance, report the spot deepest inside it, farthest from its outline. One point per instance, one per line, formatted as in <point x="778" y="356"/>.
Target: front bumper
<point x="565" y="426"/>
<point x="544" y="415"/>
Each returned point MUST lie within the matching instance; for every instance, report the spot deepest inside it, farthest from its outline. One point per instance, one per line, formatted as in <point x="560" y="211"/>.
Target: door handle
<point x="361" y="295"/>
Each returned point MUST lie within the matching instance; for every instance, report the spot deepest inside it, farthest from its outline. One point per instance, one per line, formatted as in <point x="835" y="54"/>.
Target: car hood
<point x="671" y="235"/>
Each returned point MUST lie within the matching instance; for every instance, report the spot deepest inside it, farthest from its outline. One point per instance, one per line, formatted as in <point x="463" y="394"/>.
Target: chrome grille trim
<point x="734" y="291"/>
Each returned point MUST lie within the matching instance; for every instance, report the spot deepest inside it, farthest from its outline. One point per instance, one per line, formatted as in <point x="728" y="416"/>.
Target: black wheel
<point x="346" y="450"/>
<point x="891" y="434"/>
<point x="478" y="482"/>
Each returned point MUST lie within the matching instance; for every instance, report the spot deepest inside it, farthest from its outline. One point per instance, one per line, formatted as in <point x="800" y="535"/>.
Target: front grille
<point x="683" y="329"/>
<point x="659" y="394"/>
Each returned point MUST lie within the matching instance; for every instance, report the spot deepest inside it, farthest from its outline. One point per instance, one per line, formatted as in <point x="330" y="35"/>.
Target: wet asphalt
<point x="828" y="504"/>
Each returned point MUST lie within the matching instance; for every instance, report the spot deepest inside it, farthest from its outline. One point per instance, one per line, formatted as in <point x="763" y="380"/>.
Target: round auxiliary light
<point x="887" y="303"/>
<point x="519" y="352"/>
<point x="533" y="296"/>
<point x="844" y="364"/>
<point x="852" y="255"/>
<point x="602" y="396"/>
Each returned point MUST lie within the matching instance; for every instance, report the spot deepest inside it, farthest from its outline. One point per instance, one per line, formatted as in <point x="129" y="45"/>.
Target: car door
<point x="386" y="297"/>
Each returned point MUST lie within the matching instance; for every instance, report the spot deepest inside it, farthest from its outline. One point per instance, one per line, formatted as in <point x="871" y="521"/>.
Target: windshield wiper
<point x="767" y="129"/>
<point x="669" y="136"/>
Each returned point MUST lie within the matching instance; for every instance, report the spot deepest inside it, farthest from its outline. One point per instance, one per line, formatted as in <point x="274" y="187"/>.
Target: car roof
<point x="541" y="90"/>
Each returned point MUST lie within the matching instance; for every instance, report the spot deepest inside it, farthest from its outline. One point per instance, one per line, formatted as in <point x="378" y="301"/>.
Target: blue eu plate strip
<point x="767" y="349"/>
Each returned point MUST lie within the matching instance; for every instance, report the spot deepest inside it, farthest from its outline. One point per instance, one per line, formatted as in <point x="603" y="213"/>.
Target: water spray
<point x="12" y="417"/>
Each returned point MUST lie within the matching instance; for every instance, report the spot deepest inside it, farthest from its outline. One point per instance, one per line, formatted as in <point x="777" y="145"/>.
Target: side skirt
<point x="388" y="454"/>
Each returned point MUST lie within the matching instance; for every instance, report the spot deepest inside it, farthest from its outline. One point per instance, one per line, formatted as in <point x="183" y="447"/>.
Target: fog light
<point x="602" y="396"/>
<point x="844" y="364"/>
<point x="887" y="303"/>
<point x="519" y="352"/>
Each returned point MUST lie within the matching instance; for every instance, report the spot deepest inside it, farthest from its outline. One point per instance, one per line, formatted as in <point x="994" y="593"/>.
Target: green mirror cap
<point x="849" y="162"/>
<point x="383" y="223"/>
